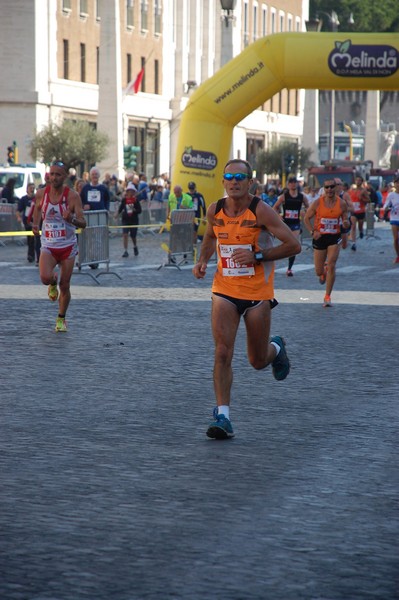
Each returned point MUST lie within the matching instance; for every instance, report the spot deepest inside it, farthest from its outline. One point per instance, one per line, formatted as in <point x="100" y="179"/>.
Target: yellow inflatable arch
<point x="285" y="60"/>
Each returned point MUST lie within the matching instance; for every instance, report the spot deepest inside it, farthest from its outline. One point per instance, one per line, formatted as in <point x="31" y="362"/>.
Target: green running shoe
<point x="53" y="292"/>
<point x="61" y="325"/>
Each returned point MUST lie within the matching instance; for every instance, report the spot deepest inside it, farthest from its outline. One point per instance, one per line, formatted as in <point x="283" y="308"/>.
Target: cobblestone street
<point x="110" y="488"/>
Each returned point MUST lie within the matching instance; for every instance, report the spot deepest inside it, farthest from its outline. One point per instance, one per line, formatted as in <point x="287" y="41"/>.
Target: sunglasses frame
<point x="330" y="187"/>
<point x="231" y="176"/>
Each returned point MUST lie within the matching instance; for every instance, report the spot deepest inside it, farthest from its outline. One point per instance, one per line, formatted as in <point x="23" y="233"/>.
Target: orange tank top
<point x="245" y="282"/>
<point x="358" y="205"/>
<point x="328" y="218"/>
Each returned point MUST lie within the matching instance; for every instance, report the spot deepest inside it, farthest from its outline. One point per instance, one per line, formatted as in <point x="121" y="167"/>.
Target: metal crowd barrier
<point x="180" y="238"/>
<point x="151" y="219"/>
<point x="113" y="218"/>
<point x="370" y="220"/>
<point x="152" y="213"/>
<point x="93" y="242"/>
<point x="8" y="222"/>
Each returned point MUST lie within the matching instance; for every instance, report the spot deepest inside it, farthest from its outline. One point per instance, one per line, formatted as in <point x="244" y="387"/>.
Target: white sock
<point x="276" y="346"/>
<point x="224" y="409"/>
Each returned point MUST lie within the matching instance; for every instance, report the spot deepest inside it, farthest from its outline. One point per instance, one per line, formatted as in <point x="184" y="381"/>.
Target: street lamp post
<point x="333" y="24"/>
<point x="228" y="7"/>
<point x="227" y="30"/>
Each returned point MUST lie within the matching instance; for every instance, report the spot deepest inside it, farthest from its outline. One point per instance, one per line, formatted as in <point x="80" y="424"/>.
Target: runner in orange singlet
<point x="344" y="194"/>
<point x="240" y="227"/>
<point x="359" y="198"/>
<point x="60" y="209"/>
<point x="328" y="210"/>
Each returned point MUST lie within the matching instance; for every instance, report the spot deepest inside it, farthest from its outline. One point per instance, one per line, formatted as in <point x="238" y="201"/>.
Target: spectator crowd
<point x="127" y="199"/>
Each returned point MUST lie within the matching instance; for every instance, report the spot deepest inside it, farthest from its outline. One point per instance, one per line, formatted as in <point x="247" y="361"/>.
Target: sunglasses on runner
<point x="236" y="176"/>
<point x="58" y="163"/>
<point x="329" y="187"/>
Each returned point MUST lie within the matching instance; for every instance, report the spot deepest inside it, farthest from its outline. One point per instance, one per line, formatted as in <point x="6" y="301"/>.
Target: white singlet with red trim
<point x="56" y="232"/>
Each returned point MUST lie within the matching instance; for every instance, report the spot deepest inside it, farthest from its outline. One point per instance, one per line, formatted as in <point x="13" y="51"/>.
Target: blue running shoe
<point x="220" y="428"/>
<point x="281" y="364"/>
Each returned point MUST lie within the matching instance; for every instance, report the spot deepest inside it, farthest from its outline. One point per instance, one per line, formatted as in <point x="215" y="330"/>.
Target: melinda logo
<point x="198" y="159"/>
<point x="349" y="60"/>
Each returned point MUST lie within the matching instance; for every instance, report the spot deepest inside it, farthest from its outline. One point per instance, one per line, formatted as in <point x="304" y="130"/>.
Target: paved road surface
<point x="110" y="488"/>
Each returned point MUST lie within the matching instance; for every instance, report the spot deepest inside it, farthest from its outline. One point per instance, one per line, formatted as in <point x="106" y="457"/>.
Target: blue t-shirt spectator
<point x="270" y="197"/>
<point x="95" y="197"/>
<point x="143" y="189"/>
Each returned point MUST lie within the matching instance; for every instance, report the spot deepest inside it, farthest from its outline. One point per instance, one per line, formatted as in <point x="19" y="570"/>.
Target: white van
<point x="23" y="174"/>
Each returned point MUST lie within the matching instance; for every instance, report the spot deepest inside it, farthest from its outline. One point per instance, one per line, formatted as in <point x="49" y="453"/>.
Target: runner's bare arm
<point x="290" y="246"/>
<point x="279" y="202"/>
<point x="37" y="212"/>
<point x="208" y="245"/>
<point x="348" y="201"/>
<point x="365" y="196"/>
<point x="310" y="213"/>
<point x="74" y="213"/>
<point x="344" y="208"/>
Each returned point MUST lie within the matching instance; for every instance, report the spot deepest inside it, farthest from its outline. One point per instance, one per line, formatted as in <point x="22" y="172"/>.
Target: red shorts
<point x="61" y="254"/>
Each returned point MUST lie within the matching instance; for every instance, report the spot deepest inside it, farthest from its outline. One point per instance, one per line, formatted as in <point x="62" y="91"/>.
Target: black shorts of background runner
<point x="327" y="239"/>
<point x="359" y="216"/>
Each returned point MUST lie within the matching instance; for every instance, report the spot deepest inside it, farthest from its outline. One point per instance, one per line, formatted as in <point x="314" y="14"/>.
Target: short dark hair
<point x="240" y="161"/>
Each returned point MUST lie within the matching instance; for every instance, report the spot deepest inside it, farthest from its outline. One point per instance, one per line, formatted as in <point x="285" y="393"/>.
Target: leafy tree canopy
<point x="378" y="16"/>
<point x="283" y="157"/>
<point x="72" y="142"/>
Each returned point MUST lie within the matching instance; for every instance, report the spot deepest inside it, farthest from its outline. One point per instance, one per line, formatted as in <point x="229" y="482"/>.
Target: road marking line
<point x="301" y="296"/>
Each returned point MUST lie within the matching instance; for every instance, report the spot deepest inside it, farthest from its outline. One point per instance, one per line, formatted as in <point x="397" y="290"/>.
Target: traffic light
<point x="130" y="156"/>
<point x="341" y="125"/>
<point x="16" y="158"/>
<point x="10" y="155"/>
<point x="289" y="162"/>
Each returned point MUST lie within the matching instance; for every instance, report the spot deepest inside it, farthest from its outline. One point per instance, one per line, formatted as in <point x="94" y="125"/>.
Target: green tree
<point x="368" y="15"/>
<point x="73" y="142"/>
<point x="275" y="160"/>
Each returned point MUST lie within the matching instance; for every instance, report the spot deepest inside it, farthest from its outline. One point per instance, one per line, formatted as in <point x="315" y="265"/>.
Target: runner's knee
<point x="223" y="354"/>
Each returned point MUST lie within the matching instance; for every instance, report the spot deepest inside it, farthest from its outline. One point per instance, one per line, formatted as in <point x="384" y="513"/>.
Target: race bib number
<point x="356" y="207"/>
<point x="94" y="196"/>
<point x="55" y="232"/>
<point x="229" y="266"/>
<point x="291" y="214"/>
<point x="328" y="225"/>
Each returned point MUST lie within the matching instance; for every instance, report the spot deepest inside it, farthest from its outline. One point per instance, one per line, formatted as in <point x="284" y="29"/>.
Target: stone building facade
<point x="51" y="57"/>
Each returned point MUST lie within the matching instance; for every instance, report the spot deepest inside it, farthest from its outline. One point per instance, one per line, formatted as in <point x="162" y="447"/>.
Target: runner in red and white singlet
<point x="60" y="210"/>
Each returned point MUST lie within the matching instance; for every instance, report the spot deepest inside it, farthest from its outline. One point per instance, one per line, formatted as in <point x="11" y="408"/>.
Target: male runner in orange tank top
<point x="359" y="198"/>
<point x="240" y="228"/>
<point x="328" y="212"/>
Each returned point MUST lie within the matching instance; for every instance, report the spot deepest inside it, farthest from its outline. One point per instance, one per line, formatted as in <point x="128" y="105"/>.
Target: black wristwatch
<point x="258" y="256"/>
